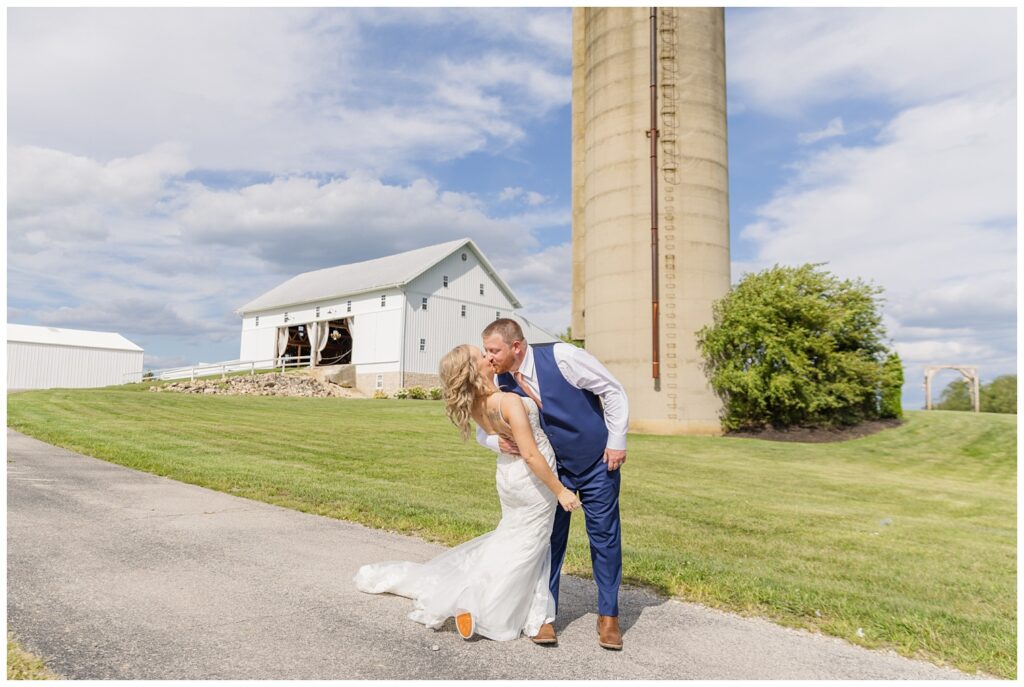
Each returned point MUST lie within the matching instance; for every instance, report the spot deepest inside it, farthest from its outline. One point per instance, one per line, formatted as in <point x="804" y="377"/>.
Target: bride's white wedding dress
<point x="500" y="577"/>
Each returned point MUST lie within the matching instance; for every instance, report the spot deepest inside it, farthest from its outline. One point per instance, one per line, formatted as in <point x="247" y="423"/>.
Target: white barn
<point x="393" y="318"/>
<point x="48" y="357"/>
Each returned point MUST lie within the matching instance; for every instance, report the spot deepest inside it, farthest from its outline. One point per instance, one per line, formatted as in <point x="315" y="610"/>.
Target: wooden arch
<point x="970" y="374"/>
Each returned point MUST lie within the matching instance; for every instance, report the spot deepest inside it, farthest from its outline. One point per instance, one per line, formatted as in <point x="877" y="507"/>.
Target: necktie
<point x="526" y="387"/>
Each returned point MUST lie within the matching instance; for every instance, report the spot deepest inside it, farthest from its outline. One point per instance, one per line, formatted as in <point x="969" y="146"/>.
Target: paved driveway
<point x="114" y="573"/>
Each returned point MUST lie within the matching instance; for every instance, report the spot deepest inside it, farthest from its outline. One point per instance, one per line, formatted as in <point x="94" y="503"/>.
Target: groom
<point x="589" y="439"/>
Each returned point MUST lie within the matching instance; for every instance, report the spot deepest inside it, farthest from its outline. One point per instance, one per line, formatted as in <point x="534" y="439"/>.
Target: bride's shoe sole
<point x="464" y="624"/>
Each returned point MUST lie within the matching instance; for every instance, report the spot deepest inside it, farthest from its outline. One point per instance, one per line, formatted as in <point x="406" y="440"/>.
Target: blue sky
<point x="167" y="165"/>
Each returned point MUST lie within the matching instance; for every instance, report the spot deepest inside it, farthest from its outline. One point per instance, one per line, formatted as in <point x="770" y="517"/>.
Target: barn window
<point x="383" y="300"/>
<point x="463" y="311"/>
<point x="348" y="306"/>
<point x="497" y="314"/>
<point x="317" y="311"/>
<point x="257" y="320"/>
<point x="481" y="289"/>
<point x="423" y="344"/>
<point x="463" y="257"/>
<point x="380" y="381"/>
<point x="444" y="280"/>
<point x="286" y="317"/>
<point x="424" y="304"/>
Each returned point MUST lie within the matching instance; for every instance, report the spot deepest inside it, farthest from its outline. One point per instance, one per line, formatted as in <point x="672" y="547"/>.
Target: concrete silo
<point x="613" y="241"/>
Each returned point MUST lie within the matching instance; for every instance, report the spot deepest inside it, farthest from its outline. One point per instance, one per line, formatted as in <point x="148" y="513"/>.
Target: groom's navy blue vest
<point x="572" y="418"/>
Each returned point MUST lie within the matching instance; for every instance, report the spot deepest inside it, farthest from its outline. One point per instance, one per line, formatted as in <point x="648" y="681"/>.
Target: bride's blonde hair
<point x="461" y="383"/>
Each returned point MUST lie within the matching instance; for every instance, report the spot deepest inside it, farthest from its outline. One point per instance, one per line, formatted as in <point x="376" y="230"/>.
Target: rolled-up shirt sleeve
<point x="487" y="440"/>
<point x="584" y="371"/>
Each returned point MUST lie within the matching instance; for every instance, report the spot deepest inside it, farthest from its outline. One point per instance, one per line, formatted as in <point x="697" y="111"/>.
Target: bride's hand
<point x="569" y="500"/>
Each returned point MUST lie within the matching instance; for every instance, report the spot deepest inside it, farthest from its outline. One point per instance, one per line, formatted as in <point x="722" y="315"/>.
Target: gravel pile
<point x="262" y="385"/>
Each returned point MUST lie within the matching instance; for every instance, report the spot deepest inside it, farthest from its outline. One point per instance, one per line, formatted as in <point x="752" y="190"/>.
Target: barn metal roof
<point x="80" y="338"/>
<point x="359" y="277"/>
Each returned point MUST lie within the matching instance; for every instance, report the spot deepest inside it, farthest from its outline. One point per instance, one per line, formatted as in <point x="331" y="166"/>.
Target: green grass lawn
<point x="908" y="536"/>
<point x="23" y="665"/>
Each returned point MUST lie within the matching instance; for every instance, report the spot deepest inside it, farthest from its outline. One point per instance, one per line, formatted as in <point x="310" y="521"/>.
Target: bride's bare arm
<point x="512" y="409"/>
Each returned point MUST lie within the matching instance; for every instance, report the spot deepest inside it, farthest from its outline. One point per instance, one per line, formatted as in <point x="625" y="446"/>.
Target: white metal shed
<point x="48" y="357"/>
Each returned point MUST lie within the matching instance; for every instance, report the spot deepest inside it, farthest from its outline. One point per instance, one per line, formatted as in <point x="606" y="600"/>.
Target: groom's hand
<point x="614" y="458"/>
<point x="508" y="447"/>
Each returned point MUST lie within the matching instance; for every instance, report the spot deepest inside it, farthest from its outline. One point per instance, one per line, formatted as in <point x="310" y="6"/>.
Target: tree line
<point x="998" y="396"/>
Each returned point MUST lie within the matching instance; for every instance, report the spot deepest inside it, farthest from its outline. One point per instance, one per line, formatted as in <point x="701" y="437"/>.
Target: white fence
<point x="211" y="369"/>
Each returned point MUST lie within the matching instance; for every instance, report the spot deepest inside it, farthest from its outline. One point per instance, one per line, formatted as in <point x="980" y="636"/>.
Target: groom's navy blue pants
<point x="598" y="490"/>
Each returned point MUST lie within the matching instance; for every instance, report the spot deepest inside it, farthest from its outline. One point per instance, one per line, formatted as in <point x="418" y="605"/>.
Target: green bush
<point x="998" y="396"/>
<point x="890" y="403"/>
<point x="402" y="393"/>
<point x="796" y="346"/>
<point x="956" y="396"/>
<point x="380" y="393"/>
<point x="436" y="394"/>
<point x="418" y="393"/>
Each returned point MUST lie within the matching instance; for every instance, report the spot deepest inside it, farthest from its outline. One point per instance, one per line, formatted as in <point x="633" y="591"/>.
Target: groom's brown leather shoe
<point x="546" y="635"/>
<point x="608" y="634"/>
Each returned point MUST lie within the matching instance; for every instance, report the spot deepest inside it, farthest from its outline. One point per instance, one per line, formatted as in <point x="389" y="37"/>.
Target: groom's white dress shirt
<point x="583" y="371"/>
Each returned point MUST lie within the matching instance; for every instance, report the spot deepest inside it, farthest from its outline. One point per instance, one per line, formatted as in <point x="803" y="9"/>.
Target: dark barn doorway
<point x="338" y="350"/>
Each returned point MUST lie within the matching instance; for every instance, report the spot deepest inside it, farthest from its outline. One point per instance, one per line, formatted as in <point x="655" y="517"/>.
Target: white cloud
<point x="935" y="195"/>
<point x="530" y="198"/>
<point x="163" y="362"/>
<point x="47" y="181"/>
<point x="510" y="193"/>
<point x="785" y="60"/>
<point x="300" y="223"/>
<point x="543" y="283"/>
<point x="928" y="213"/>
<point x="280" y="91"/>
<point x="939" y="352"/>
<point x="529" y="86"/>
<point x="927" y="210"/>
<point x="547" y="219"/>
<point x="136" y="77"/>
<point x="993" y="356"/>
<point x="133" y="286"/>
<point x="553" y="29"/>
<point x="152" y="315"/>
<point x="832" y="129"/>
<point x="545" y="31"/>
<point x="174" y="258"/>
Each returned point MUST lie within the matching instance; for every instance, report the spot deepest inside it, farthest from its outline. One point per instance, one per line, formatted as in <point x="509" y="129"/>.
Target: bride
<point x="497" y="584"/>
